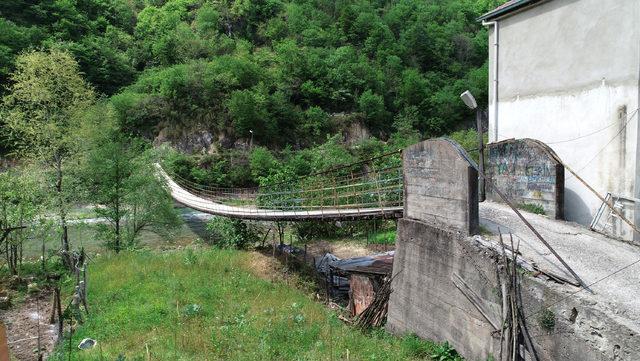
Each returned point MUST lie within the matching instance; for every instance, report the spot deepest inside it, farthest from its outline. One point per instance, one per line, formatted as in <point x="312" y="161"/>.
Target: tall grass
<point x="214" y="305"/>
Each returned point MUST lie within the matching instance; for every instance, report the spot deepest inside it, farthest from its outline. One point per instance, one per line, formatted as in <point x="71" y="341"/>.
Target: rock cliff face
<point x="198" y="140"/>
<point x="201" y="139"/>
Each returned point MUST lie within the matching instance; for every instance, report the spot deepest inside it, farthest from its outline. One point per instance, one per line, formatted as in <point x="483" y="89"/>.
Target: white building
<point x="567" y="72"/>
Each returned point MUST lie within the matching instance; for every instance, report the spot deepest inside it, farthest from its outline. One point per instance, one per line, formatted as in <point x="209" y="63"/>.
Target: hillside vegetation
<point x="291" y="71"/>
<point x="245" y="93"/>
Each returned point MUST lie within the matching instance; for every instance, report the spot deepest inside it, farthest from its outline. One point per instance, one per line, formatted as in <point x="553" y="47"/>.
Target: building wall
<point x="571" y="69"/>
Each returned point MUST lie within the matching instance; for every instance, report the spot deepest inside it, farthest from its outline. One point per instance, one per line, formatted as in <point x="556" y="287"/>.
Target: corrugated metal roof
<point x="506" y="8"/>
<point x="380" y="264"/>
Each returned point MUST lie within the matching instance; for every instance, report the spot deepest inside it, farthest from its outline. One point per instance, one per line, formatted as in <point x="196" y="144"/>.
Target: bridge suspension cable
<point x="353" y="191"/>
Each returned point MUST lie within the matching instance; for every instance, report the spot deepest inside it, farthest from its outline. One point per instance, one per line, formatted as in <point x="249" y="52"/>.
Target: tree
<point x="19" y="205"/>
<point x="262" y="163"/>
<point x="372" y="105"/>
<point x="46" y="94"/>
<point x="123" y="183"/>
<point x="247" y="109"/>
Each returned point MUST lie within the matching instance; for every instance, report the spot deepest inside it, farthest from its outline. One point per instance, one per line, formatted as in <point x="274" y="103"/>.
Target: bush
<point x="547" y="320"/>
<point x="231" y="233"/>
<point x="262" y="163"/>
<point x="468" y="139"/>
<point x="533" y="208"/>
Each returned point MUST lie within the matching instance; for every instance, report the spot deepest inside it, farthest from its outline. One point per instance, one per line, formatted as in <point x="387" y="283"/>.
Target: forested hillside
<point x="213" y="76"/>
<point x="225" y="93"/>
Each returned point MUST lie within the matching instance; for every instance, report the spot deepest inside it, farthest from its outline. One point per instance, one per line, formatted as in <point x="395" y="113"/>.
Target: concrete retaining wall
<point x="440" y="185"/>
<point x="525" y="170"/>
<point x="438" y="270"/>
<point x="425" y="300"/>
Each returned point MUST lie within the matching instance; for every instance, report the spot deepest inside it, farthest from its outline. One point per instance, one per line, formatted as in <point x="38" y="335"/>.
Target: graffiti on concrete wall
<point x="525" y="171"/>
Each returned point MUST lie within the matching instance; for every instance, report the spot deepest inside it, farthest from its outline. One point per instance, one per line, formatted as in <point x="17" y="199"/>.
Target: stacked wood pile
<point x="376" y="314"/>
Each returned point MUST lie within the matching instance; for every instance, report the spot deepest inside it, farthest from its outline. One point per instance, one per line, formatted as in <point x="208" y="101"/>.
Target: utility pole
<point x="481" y="191"/>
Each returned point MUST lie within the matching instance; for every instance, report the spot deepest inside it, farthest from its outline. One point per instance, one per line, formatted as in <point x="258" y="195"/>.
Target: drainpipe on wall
<point x="636" y="211"/>
<point x="496" y="39"/>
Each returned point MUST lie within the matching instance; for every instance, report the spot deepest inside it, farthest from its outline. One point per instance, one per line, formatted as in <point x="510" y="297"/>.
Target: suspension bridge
<point x="370" y="189"/>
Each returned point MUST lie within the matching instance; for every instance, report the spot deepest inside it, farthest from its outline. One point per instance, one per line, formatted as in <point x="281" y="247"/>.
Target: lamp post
<point x="251" y="141"/>
<point x="471" y="103"/>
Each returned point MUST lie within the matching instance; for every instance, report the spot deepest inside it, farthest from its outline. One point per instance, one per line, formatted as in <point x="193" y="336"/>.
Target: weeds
<point x="547" y="320"/>
<point x="444" y="352"/>
<point x="533" y="208"/>
<point x="383" y="237"/>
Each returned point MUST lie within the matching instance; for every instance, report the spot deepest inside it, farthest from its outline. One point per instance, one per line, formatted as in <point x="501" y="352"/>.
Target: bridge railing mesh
<point x="374" y="185"/>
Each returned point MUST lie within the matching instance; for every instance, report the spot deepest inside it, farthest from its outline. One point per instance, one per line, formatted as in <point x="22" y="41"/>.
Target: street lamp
<point x="469" y="100"/>
<point x="471" y="103"/>
<point x="251" y="141"/>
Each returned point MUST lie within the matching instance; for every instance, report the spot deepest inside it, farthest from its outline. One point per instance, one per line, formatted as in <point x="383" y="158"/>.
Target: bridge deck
<point x="188" y="199"/>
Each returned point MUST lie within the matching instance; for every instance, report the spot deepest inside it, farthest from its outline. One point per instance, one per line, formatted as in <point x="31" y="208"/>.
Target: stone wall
<point x="525" y="171"/>
<point x="441" y="185"/>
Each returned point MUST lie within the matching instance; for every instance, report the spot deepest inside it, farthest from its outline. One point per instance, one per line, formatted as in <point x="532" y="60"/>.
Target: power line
<point x="624" y="126"/>
<point x="582" y="289"/>
<point x="592" y="133"/>
<point x="609" y="142"/>
<point x="631" y="115"/>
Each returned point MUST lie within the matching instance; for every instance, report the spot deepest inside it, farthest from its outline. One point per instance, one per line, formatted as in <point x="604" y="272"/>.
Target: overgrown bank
<point x="218" y="305"/>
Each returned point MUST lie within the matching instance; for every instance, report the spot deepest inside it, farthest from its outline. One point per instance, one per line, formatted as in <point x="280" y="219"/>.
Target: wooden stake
<point x="59" y="308"/>
<point x="4" y="346"/>
<point x="52" y="317"/>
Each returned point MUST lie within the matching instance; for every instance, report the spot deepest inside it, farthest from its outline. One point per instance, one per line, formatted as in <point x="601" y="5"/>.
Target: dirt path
<point x="23" y="321"/>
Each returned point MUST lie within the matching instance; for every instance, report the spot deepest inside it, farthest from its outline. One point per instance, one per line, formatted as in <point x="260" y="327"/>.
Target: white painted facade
<point x="568" y="75"/>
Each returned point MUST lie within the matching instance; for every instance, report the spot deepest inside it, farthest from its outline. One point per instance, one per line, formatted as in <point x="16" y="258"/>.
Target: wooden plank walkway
<point x="188" y="199"/>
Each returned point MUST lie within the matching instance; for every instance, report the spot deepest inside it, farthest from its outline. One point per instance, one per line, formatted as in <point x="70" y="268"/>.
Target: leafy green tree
<point x="40" y="113"/>
<point x="104" y="59"/>
<point x="262" y="163"/>
<point x="372" y="105"/>
<point x="123" y="183"/>
<point x="231" y="233"/>
<point x="248" y="111"/>
<point x="316" y="122"/>
<point x="294" y="72"/>
<point x="20" y="195"/>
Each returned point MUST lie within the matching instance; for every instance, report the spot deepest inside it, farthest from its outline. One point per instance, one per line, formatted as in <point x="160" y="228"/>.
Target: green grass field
<point x="207" y="304"/>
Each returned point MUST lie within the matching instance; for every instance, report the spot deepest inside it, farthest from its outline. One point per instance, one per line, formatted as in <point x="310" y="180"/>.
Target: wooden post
<point x="84" y="292"/>
<point x="4" y="346"/>
<point x="273" y="243"/>
<point x="59" y="308"/>
<point x="44" y="266"/>
<point x="52" y="317"/>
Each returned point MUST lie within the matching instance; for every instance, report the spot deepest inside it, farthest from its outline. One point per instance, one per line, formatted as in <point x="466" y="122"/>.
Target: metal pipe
<point x="496" y="39"/>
